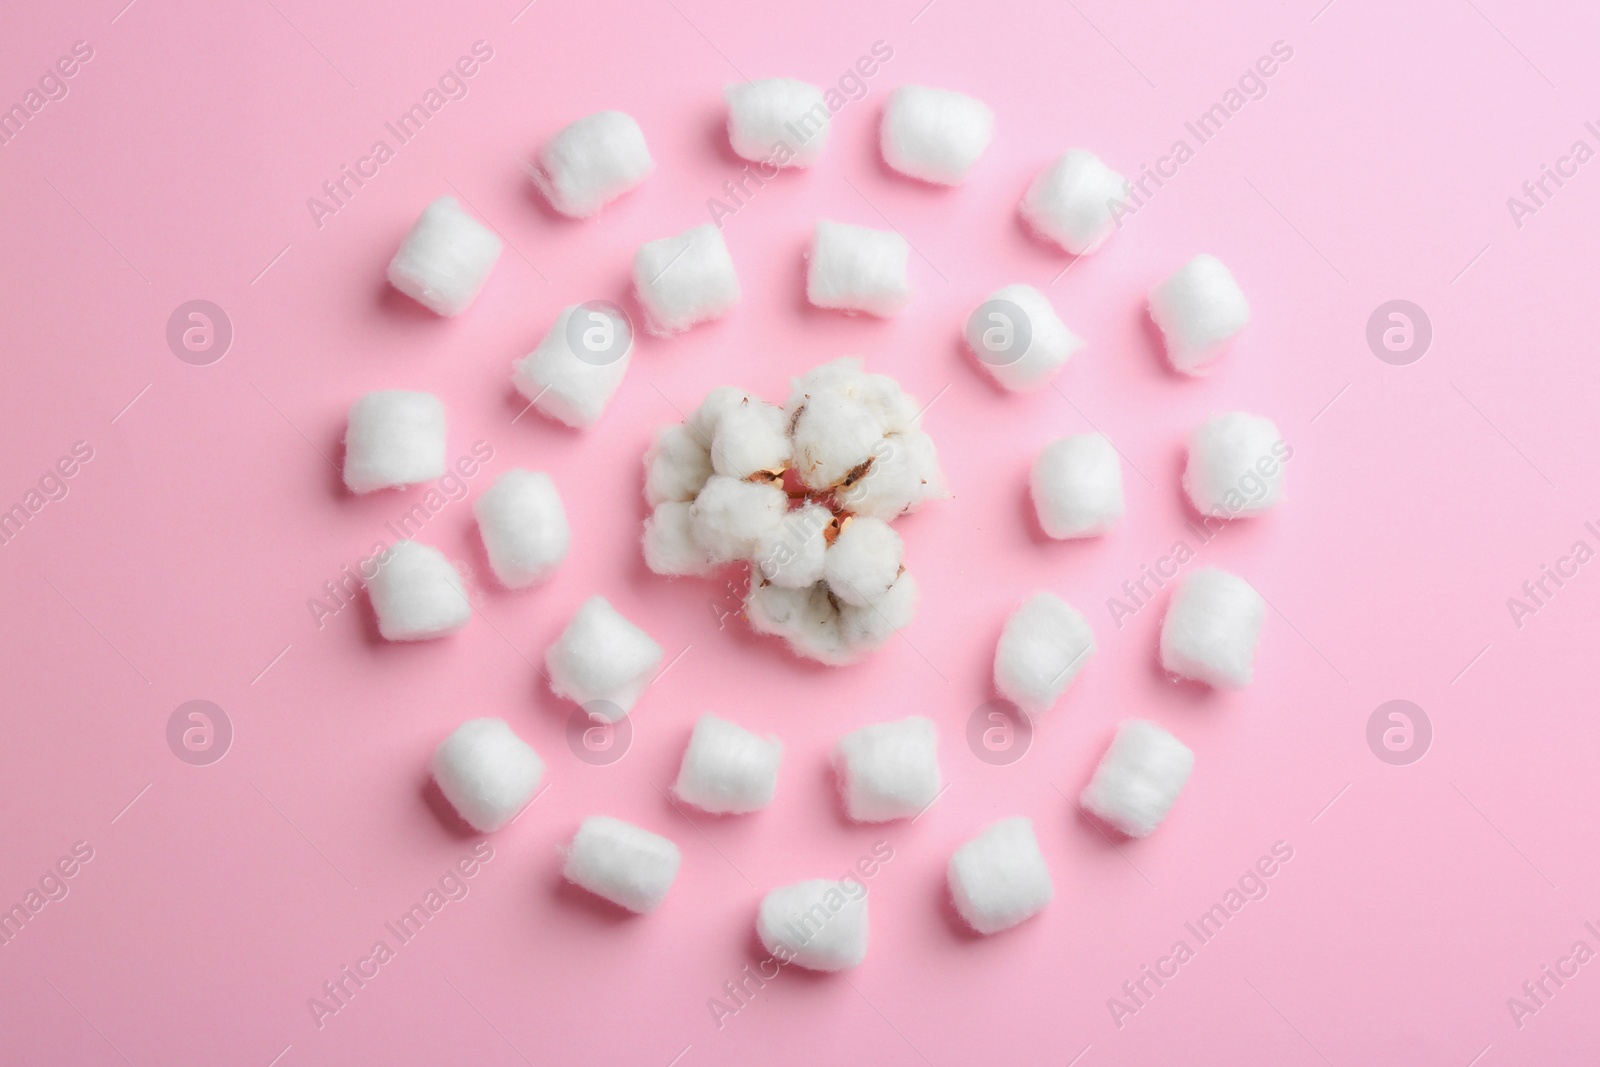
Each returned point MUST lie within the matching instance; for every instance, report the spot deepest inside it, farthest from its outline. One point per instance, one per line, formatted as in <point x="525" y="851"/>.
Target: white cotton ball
<point x="486" y="772"/>
<point x="676" y="465"/>
<point x="592" y="162"/>
<point x="685" y="279"/>
<point x="863" y="561"/>
<point x="866" y="627"/>
<point x="820" y="924"/>
<point x="727" y="770"/>
<point x="1077" y="486"/>
<point x="934" y="134"/>
<point x="999" y="878"/>
<point x="669" y="545"/>
<point x="1044" y="645"/>
<point x="1211" y="629"/>
<point x="889" y="770"/>
<point x="708" y="416"/>
<point x="751" y="437"/>
<point x="1236" y="464"/>
<point x="807" y="619"/>
<point x="793" y="554"/>
<point x="578" y="365"/>
<point x="894" y="410"/>
<point x="601" y="660"/>
<point x="779" y="121"/>
<point x="1072" y="202"/>
<point x="730" y="518"/>
<point x="417" y="593"/>
<point x="1200" y="308"/>
<point x="445" y="258"/>
<point x="1139" y="778"/>
<point x="1019" y="339"/>
<point x="394" y="438"/>
<point x="619" y="862"/>
<point x="524" y="527"/>
<point x="903" y="476"/>
<point x="857" y="268"/>
<point x="834" y="435"/>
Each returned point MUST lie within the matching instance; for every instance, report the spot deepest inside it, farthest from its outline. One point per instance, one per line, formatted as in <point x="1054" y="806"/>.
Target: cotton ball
<point x="752" y="437"/>
<point x="1019" y="339"/>
<point x="1077" y="486"/>
<point x="1200" y="308"/>
<point x="807" y="619"/>
<point x="781" y="122"/>
<point x="1212" y="625"/>
<point x="524" y="527"/>
<point x="727" y="770"/>
<point x="856" y="268"/>
<point x="1139" y="778"/>
<point x="934" y="134"/>
<point x="793" y="554"/>
<point x="889" y="770"/>
<point x="1072" y="202"/>
<point x="866" y="627"/>
<point x="394" y="438"/>
<point x="1235" y="465"/>
<point x="417" y="593"/>
<point x="574" y="372"/>
<point x="601" y="660"/>
<point x="486" y="772"/>
<point x="863" y="561"/>
<point x="592" y="162"/>
<point x="676" y="465"/>
<point x="1043" y="646"/>
<point x="669" y="545"/>
<point x="619" y="862"/>
<point x="820" y="924"/>
<point x="730" y="518"/>
<point x="708" y="416"/>
<point x="834" y="435"/>
<point x="999" y="878"/>
<point x="684" y="280"/>
<point x="445" y="258"/>
<point x="904" y="475"/>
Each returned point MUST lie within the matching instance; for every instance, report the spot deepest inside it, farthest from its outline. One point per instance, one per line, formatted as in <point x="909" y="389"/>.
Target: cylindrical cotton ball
<point x="1139" y="778"/>
<point x="1211" y="629"/>
<point x="1071" y="202"/>
<point x="486" y="772"/>
<point x="856" y="268"/>
<point x="524" y="527"/>
<point x="731" y="518"/>
<point x="592" y="162"/>
<point x="793" y="555"/>
<point x="752" y="437"/>
<point x="934" y="134"/>
<point x="1044" y="645"/>
<point x="999" y="878"/>
<point x="669" y="545"/>
<point x="888" y="770"/>
<point x="394" y="438"/>
<point x="820" y="924"/>
<point x="1019" y="339"/>
<point x="863" y="561"/>
<point x="1200" y="308"/>
<point x="781" y="122"/>
<point x="417" y="593"/>
<point x="1077" y="486"/>
<point x="676" y="465"/>
<point x="578" y="365"/>
<point x="445" y="258"/>
<point x="685" y="279"/>
<point x="619" y="862"/>
<point x="1236" y="465"/>
<point x="727" y="770"/>
<point x="601" y="660"/>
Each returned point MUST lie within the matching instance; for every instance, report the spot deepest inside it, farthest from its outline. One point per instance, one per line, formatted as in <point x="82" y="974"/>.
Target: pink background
<point x="181" y="562"/>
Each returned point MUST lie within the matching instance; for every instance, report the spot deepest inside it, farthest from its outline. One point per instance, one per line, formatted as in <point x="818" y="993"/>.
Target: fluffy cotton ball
<point x="866" y="627"/>
<point x="1044" y="645"/>
<point x="1072" y="202"/>
<point x="670" y="547"/>
<point x="1139" y="778"/>
<point x="676" y="465"/>
<point x="999" y="878"/>
<point x="835" y="435"/>
<point x="574" y="372"/>
<point x="685" y="279"/>
<point x="708" y="416"/>
<point x="486" y="772"/>
<point x="445" y="258"/>
<point x="807" y="619"/>
<point x="1019" y="339"/>
<point x="888" y="770"/>
<point x="863" y="561"/>
<point x="1200" y="308"/>
<point x="394" y="438"/>
<point x="1077" y="486"/>
<point x="730" y="518"/>
<point x="820" y="925"/>
<point x="727" y="769"/>
<point x="793" y="555"/>
<point x="778" y="121"/>
<point x="751" y="437"/>
<point x="904" y="474"/>
<point x="1211" y="629"/>
<point x="857" y="268"/>
<point x="417" y="593"/>
<point x="934" y="134"/>
<point x="592" y="162"/>
<point x="524" y="527"/>
<point x="601" y="660"/>
<point x="618" y="861"/>
<point x="1236" y="464"/>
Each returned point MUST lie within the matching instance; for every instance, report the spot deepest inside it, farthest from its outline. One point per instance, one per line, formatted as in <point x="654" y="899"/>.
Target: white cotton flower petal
<point x="867" y="627"/>
<point x="864" y="561"/>
<point x="676" y="465"/>
<point x="834" y="434"/>
<point x="730" y="518"/>
<point x="708" y="415"/>
<point x="751" y="437"/>
<point x="669" y="544"/>
<point x="793" y="554"/>
<point x="808" y="619"/>
<point x="903" y="476"/>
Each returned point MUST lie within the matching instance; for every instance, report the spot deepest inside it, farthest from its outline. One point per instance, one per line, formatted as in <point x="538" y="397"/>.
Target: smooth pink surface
<point x="182" y="560"/>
